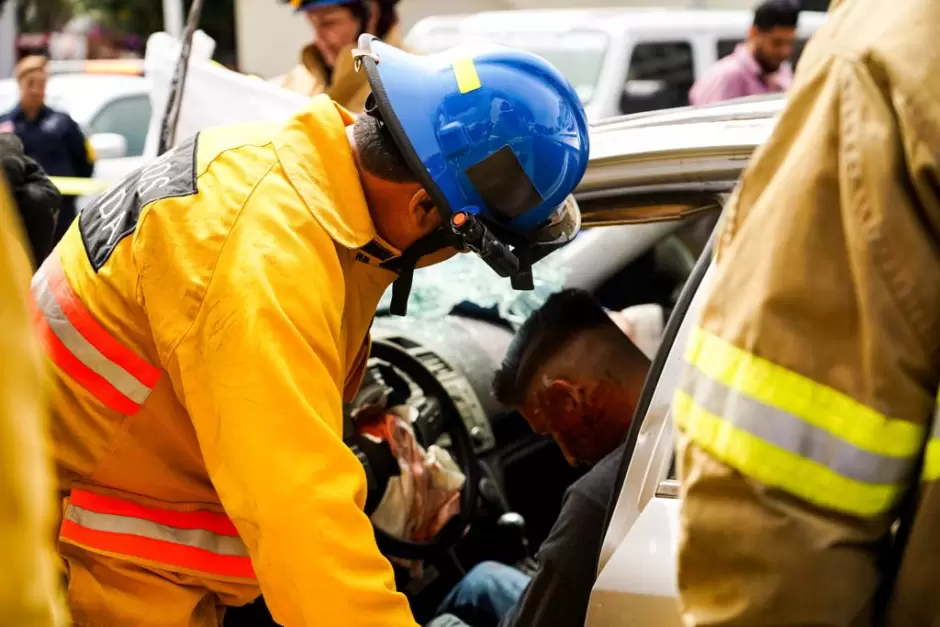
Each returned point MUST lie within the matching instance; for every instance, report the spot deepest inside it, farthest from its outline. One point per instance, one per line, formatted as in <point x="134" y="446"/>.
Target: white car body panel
<point x="642" y="571"/>
<point x="547" y="31"/>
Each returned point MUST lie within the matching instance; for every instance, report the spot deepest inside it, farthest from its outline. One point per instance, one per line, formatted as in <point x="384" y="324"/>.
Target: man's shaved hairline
<point x="548" y="334"/>
<point x="591" y="351"/>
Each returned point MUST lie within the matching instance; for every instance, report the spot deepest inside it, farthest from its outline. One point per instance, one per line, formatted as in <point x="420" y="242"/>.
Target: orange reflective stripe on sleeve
<point x="118" y="377"/>
<point x="199" y="541"/>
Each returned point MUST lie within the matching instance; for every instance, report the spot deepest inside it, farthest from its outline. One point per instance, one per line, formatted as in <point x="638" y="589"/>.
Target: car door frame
<point x="675" y="330"/>
<point x="636" y="562"/>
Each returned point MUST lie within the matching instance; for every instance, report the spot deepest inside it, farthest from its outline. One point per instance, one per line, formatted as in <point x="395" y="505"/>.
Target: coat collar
<point x="318" y="161"/>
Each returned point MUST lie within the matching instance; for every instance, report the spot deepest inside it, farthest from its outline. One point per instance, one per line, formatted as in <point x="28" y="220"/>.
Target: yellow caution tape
<point x="74" y="186"/>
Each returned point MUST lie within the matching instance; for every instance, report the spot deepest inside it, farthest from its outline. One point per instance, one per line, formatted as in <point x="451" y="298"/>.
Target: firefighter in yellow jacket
<point x="326" y="64"/>
<point x="29" y="591"/>
<point x="807" y="413"/>
<point x="207" y="316"/>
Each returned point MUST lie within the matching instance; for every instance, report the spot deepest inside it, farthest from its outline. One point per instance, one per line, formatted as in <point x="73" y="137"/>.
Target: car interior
<point x="515" y="478"/>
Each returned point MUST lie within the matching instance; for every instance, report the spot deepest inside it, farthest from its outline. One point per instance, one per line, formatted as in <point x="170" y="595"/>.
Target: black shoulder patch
<point x="114" y="215"/>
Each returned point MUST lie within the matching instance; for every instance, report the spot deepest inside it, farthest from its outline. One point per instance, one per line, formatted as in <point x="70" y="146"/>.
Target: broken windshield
<point x="467" y="278"/>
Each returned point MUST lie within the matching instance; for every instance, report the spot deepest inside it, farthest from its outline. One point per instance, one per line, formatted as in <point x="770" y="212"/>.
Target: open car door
<point x="667" y="165"/>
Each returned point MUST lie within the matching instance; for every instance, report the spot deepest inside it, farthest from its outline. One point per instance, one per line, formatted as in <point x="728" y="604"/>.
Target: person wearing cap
<point x="50" y="137"/>
<point x="326" y="64"/>
<point x="207" y="317"/>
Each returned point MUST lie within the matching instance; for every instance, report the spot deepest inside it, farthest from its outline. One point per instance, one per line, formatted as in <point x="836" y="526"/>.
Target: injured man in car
<point x="575" y="373"/>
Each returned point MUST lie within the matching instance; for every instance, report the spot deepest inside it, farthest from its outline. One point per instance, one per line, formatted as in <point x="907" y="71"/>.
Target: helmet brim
<point x="302" y="8"/>
<point x="563" y="226"/>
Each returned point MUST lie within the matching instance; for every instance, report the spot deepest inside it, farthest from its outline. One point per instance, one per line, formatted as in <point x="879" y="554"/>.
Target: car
<point x="655" y="185"/>
<point x="113" y="110"/>
<point x="619" y="60"/>
<point x="654" y="189"/>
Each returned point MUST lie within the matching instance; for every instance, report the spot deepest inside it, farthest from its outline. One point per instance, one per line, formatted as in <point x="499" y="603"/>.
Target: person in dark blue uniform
<point x="50" y="137"/>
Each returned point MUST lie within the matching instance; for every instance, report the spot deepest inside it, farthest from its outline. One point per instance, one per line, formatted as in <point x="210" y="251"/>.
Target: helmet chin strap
<point x="405" y="266"/>
<point x="471" y="235"/>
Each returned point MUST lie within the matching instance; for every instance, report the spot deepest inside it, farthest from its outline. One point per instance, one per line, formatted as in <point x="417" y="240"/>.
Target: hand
<point x="425" y="493"/>
<point x="380" y="465"/>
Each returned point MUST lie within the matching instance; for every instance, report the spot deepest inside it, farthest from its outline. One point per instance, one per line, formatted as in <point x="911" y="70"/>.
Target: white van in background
<point x="620" y="60"/>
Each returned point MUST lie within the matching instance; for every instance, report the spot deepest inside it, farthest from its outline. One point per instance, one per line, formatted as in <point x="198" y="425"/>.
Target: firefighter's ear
<point x="423" y="213"/>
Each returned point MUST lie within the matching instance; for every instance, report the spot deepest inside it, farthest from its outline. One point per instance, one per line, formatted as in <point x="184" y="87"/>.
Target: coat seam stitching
<point x="886" y="264"/>
<point x="202" y="298"/>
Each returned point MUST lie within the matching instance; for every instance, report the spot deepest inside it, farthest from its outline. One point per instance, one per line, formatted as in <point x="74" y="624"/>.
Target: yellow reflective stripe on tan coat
<point x="787" y="431"/>
<point x="931" y="469"/>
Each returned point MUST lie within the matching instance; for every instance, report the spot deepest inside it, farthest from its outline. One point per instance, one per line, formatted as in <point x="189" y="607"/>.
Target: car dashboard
<point x="462" y="354"/>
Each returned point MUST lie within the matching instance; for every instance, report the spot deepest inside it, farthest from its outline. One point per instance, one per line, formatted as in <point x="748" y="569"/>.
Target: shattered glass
<point x="467" y="278"/>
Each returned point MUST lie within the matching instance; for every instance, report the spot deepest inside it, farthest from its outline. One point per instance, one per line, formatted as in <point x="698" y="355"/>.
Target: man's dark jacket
<point x="36" y="198"/>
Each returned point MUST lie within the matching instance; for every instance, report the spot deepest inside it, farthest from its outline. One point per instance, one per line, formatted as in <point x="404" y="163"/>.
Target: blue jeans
<point x="483" y="597"/>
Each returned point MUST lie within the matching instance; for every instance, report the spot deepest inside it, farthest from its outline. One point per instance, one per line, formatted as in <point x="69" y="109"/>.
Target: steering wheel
<point x="431" y="424"/>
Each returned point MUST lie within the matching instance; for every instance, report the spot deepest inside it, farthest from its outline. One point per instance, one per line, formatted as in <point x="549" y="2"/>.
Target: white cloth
<point x="213" y="95"/>
<point x="644" y="324"/>
<point x="420" y="500"/>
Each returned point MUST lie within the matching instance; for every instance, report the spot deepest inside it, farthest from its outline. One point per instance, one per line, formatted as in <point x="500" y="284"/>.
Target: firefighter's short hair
<point x="378" y="152"/>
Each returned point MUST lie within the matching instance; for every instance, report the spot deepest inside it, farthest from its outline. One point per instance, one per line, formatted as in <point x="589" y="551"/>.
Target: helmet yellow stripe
<point x="466" y="72"/>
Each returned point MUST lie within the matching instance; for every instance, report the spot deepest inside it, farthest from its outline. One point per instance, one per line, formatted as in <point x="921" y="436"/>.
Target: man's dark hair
<point x="378" y="152"/>
<point x="564" y="316"/>
<point x="772" y="14"/>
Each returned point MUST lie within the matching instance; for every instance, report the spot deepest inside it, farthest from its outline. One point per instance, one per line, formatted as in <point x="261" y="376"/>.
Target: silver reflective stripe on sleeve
<point x="80" y="347"/>
<point x="196" y="538"/>
<point x="792" y="434"/>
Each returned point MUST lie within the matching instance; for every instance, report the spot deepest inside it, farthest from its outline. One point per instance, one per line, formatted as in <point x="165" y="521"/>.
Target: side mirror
<point x="108" y="145"/>
<point x="648" y="95"/>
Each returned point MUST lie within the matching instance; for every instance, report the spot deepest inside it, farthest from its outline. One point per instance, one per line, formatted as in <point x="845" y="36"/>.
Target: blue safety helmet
<point x="497" y="137"/>
<point x="304" y="5"/>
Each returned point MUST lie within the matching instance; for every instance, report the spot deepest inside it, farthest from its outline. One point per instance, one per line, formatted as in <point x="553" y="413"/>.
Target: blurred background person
<point x="326" y="65"/>
<point x="50" y="137"/>
<point x="760" y="65"/>
<point x="29" y="586"/>
<point x="102" y="43"/>
<point x="34" y="195"/>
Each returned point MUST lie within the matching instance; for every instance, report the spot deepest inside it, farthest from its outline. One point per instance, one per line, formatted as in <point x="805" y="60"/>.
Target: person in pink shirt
<point x="759" y="65"/>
